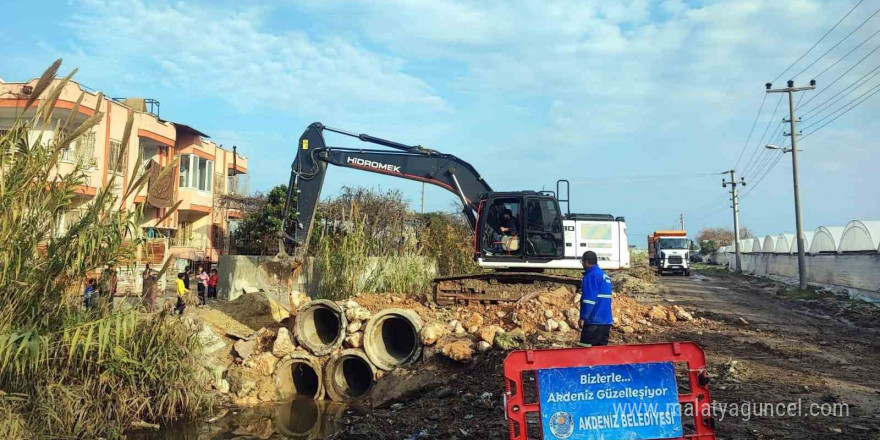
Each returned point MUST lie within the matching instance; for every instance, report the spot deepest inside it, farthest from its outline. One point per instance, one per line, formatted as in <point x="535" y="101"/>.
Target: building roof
<point x="187" y="128"/>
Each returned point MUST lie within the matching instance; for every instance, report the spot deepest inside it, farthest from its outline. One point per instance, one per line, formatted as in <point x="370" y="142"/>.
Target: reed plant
<point x="66" y="372"/>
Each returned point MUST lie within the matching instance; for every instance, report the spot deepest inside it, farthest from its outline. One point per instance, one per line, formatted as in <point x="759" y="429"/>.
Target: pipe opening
<point x="354" y="378"/>
<point x="326" y="325"/>
<point x="399" y="339"/>
<point x="305" y="379"/>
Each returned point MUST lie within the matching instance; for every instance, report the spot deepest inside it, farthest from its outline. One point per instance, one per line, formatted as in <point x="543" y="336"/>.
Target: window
<point x="544" y="237"/>
<point x="116" y="165"/>
<point x="84" y="146"/>
<point x="196" y="172"/>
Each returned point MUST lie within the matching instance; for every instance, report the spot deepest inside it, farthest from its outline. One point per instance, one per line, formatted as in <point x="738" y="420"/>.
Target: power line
<point x="820" y="40"/>
<point x="845" y="112"/>
<point x="745" y="145"/>
<point x="639" y="177"/>
<point x="876" y="87"/>
<point x="764" y="175"/>
<point x="863" y="80"/>
<point x="838" y="43"/>
<point x="847" y="54"/>
<point x="769" y="122"/>
<point x="842" y="75"/>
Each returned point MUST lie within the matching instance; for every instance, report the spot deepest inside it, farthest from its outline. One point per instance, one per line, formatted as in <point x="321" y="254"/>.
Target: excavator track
<point x="496" y="287"/>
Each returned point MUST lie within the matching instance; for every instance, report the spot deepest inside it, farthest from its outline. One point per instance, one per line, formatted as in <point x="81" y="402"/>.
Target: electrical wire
<point x="873" y="89"/>
<point x="845" y="112"/>
<point x="847" y="54"/>
<point x="638" y="177"/>
<point x="817" y="43"/>
<point x="745" y="145"/>
<point x="769" y="122"/>
<point x="842" y="75"/>
<point x="838" y="43"/>
<point x="863" y="80"/>
<point x="764" y="175"/>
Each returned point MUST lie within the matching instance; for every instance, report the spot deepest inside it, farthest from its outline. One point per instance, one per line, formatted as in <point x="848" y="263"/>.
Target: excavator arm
<point x="412" y="162"/>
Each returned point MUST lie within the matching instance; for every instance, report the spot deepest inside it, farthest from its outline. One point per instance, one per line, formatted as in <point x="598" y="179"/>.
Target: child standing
<point x="212" y="284"/>
<point x="203" y="285"/>
<point x="181" y="292"/>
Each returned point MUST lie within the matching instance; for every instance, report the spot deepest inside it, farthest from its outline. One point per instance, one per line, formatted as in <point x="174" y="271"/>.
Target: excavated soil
<point x="764" y="344"/>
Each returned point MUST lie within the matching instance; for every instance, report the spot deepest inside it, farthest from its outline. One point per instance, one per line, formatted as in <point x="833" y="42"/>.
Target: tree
<point x="258" y="231"/>
<point x="712" y="238"/>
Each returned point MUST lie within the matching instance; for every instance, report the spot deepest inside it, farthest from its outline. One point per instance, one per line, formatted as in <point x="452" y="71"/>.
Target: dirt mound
<point x="255" y="310"/>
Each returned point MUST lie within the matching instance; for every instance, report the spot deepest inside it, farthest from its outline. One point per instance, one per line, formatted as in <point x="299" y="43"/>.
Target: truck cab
<point x="668" y="252"/>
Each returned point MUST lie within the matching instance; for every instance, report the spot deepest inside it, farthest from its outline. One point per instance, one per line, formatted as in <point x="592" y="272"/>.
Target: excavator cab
<point x="520" y="226"/>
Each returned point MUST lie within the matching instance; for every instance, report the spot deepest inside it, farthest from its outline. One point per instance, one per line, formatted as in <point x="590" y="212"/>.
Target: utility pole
<point x="681" y="220"/>
<point x="734" y="197"/>
<point x="791" y="89"/>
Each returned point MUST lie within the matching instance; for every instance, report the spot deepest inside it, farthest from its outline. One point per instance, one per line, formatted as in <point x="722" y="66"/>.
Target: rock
<point x="245" y="349"/>
<point x="682" y="314"/>
<point x="218" y="372"/>
<point x="351" y="304"/>
<point x="430" y="334"/>
<point x="241" y="380"/>
<point x="743" y="320"/>
<point x="670" y="316"/>
<point x="549" y="313"/>
<point x="483" y="346"/>
<point x="628" y="330"/>
<point x="564" y="327"/>
<point x="460" y="350"/>
<point x="361" y="314"/>
<point x="476" y="320"/>
<point x="657" y="313"/>
<point x="473" y="329"/>
<point x="210" y="341"/>
<point x="397" y="406"/>
<point x="298" y="299"/>
<point x="283" y="344"/>
<point x="459" y="330"/>
<point x="500" y="314"/>
<point x="262" y="428"/>
<point x="245" y="401"/>
<point x="222" y="386"/>
<point x="487" y="334"/>
<point x="354" y="327"/>
<point x="264" y="363"/>
<point x="573" y="317"/>
<point x="354" y="340"/>
<point x="643" y="322"/>
<point x="510" y="340"/>
<point x="551" y="325"/>
<point x="543" y="299"/>
<point x="577" y="298"/>
<point x="452" y="325"/>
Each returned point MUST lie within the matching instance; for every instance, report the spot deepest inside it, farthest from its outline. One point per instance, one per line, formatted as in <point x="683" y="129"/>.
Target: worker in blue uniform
<point x="596" y="318"/>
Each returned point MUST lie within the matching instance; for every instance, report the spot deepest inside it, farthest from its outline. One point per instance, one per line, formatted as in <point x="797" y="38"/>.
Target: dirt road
<point x="765" y="345"/>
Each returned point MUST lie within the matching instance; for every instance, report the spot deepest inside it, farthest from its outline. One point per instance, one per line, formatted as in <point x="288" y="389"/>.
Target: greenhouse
<point x="860" y="236"/>
<point x="826" y="239"/>
<point x="783" y="243"/>
<point x="769" y="244"/>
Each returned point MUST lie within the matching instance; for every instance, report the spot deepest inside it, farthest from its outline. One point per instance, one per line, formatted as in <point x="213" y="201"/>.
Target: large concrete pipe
<point x="300" y="376"/>
<point x="320" y="326"/>
<point x="348" y="375"/>
<point x="391" y="338"/>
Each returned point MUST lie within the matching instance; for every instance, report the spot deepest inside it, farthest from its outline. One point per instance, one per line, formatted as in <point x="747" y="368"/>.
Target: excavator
<point x="517" y="235"/>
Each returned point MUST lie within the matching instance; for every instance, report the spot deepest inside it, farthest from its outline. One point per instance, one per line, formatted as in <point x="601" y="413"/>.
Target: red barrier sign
<point x="521" y="371"/>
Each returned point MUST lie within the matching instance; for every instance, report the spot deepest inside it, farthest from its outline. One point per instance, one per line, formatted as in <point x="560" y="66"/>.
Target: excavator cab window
<point x="544" y="237"/>
<point x="502" y="226"/>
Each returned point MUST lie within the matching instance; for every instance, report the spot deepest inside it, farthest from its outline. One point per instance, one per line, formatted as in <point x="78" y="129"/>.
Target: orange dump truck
<point x="668" y="252"/>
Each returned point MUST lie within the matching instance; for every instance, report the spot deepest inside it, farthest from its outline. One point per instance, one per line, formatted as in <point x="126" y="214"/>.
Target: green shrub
<point x="65" y="372"/>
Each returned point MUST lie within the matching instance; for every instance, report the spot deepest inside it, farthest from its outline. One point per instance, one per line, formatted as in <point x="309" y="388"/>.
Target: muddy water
<point x="299" y="419"/>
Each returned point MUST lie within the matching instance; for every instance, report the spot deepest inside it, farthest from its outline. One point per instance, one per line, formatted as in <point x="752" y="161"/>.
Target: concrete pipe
<point x="349" y="375"/>
<point x="391" y="338"/>
<point x="320" y="326"/>
<point x="300" y="376"/>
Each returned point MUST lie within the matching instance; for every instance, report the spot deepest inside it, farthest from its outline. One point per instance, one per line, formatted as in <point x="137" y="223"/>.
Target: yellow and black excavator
<point x="517" y="234"/>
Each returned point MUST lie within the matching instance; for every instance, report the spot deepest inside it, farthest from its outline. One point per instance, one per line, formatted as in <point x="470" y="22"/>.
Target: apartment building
<point x="206" y="172"/>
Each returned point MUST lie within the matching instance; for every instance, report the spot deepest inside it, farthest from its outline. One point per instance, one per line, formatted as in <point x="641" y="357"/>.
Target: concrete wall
<point x="852" y="271"/>
<point x="244" y="273"/>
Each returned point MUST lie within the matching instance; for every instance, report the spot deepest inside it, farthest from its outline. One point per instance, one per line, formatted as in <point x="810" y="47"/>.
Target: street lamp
<point x="774" y="147"/>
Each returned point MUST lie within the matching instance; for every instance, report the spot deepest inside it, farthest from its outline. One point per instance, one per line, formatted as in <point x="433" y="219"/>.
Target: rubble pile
<point x="372" y="335"/>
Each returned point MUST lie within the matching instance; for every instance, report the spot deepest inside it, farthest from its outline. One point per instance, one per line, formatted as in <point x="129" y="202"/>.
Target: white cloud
<point x="228" y="55"/>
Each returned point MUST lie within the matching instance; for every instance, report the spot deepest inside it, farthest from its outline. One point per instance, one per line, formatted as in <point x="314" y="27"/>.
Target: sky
<point x="640" y="104"/>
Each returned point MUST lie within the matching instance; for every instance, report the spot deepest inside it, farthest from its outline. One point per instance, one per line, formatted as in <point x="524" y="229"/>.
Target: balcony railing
<point x="194" y="241"/>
